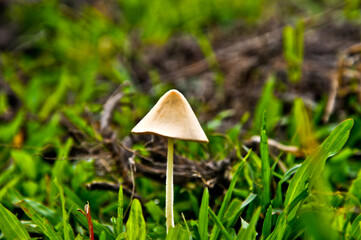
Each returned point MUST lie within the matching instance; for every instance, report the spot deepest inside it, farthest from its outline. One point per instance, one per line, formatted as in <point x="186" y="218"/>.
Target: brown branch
<point x="273" y="143"/>
<point x="108" y="109"/>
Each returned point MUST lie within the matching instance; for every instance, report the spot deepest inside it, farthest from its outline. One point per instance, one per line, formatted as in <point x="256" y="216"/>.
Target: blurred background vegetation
<point x="62" y="61"/>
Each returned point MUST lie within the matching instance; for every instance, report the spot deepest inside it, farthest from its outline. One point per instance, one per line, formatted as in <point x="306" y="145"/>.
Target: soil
<point x="247" y="60"/>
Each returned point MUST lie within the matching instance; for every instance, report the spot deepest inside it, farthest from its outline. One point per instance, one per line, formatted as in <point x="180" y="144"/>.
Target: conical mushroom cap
<point x="172" y="117"/>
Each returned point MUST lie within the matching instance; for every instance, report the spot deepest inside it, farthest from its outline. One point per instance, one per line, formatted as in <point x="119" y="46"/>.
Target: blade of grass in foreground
<point x="250" y="231"/>
<point x="265" y="167"/>
<point x="10" y="226"/>
<point x="315" y="162"/>
<point x="43" y="224"/>
<point x="227" y="198"/>
<point x="305" y="176"/>
<point x="186" y="224"/>
<point x="281" y="223"/>
<point x="203" y="216"/>
<point x="267" y="223"/>
<point x="234" y="212"/>
<point x="218" y="223"/>
<point x="72" y="207"/>
<point x="136" y="224"/>
<point x="65" y="214"/>
<point x="119" y="223"/>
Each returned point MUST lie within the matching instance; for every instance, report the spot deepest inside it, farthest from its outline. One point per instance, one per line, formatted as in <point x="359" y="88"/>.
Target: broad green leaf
<point x="203" y="216"/>
<point x="314" y="163"/>
<point x="218" y="223"/>
<point x="45" y="132"/>
<point x="55" y="99"/>
<point x="25" y="162"/>
<point x="10" y="226"/>
<point x="154" y="210"/>
<point x="228" y="196"/>
<point x="40" y="221"/>
<point x="265" y="167"/>
<point x="30" y="188"/>
<point x="9" y="130"/>
<point x="12" y="183"/>
<point x="177" y="233"/>
<point x="250" y="231"/>
<point x="136" y="224"/>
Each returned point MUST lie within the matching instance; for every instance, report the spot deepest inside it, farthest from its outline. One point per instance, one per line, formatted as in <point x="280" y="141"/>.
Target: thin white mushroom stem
<point x="169" y="186"/>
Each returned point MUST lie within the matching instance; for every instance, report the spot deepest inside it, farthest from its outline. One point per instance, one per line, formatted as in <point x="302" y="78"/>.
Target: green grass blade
<point x="218" y="223"/>
<point x="122" y="236"/>
<point x="41" y="222"/>
<point x="314" y="163"/>
<point x="267" y="224"/>
<point x="235" y="212"/>
<point x="250" y="231"/>
<point x="356" y="228"/>
<point x="51" y="215"/>
<point x="73" y="203"/>
<point x="227" y="198"/>
<point x="303" y="127"/>
<point x="281" y="223"/>
<point x="136" y="224"/>
<point x="154" y="211"/>
<point x="10" y="226"/>
<point x="186" y="224"/>
<point x="268" y="102"/>
<point x="203" y="216"/>
<point x="61" y="163"/>
<point x="119" y="223"/>
<point x="98" y="227"/>
<point x="278" y="201"/>
<point x="65" y="214"/>
<point x="265" y="167"/>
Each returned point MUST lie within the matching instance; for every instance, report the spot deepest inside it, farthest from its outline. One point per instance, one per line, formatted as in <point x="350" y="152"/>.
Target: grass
<point x="65" y="63"/>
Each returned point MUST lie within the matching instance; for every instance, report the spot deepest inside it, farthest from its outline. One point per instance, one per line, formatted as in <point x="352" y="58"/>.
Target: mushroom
<point x="172" y="117"/>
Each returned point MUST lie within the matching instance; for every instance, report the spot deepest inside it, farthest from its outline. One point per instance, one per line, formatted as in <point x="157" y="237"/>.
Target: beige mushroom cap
<point x="172" y="117"/>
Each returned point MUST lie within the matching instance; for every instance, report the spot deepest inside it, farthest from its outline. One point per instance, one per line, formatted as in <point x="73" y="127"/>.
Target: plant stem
<point x="169" y="186"/>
